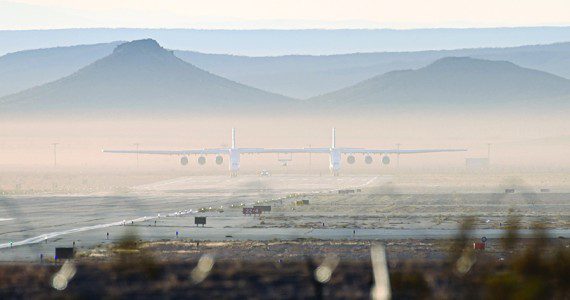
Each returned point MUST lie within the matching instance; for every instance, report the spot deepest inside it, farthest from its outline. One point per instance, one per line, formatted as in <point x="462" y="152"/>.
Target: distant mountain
<point x="26" y="69"/>
<point x="141" y="76"/>
<point x="304" y="76"/>
<point x="298" y="76"/>
<point x="554" y="58"/>
<point x="271" y="42"/>
<point x="454" y="82"/>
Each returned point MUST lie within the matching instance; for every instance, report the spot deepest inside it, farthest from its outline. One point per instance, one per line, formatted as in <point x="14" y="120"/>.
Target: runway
<point x="27" y="221"/>
<point x="281" y="184"/>
<point x="31" y="226"/>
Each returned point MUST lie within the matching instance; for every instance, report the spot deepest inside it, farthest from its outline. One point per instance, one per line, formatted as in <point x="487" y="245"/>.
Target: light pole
<point x="55" y="154"/>
<point x="137" y="145"/>
<point x="488" y="155"/>
<point x="310" y="159"/>
<point x="398" y="155"/>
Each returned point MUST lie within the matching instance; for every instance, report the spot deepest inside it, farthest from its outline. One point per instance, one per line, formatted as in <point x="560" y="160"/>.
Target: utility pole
<point x="488" y="154"/>
<point x="137" y="145"/>
<point x="310" y="159"/>
<point x="398" y="155"/>
<point x="55" y="154"/>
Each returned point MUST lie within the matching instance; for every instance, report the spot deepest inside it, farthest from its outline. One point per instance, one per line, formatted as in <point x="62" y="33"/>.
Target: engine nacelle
<point x="368" y="159"/>
<point x="201" y="160"/>
<point x="219" y="160"/>
<point x="351" y="159"/>
<point x="386" y="160"/>
<point x="184" y="160"/>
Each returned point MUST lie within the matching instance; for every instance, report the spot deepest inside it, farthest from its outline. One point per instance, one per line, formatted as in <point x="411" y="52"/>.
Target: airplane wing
<point x="396" y="151"/>
<point x="283" y="150"/>
<point x="168" y="152"/>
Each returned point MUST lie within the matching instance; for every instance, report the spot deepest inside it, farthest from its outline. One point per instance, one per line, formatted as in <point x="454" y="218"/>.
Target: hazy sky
<point x="42" y="14"/>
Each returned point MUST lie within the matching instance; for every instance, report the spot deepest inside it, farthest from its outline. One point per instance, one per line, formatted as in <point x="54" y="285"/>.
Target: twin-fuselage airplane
<point x="234" y="153"/>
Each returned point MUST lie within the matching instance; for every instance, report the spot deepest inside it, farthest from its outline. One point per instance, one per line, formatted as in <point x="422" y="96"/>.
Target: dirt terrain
<point x="426" y="222"/>
<point x="447" y="269"/>
<point x="412" y="211"/>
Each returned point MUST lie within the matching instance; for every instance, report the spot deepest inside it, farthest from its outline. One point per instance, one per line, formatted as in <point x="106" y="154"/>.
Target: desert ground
<point x="162" y="206"/>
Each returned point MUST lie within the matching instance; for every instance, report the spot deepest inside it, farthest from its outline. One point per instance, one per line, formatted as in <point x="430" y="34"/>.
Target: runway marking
<point x="43" y="237"/>
<point x="224" y="183"/>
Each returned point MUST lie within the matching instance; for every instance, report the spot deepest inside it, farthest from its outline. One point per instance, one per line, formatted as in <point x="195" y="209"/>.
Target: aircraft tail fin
<point x="233" y="137"/>
<point x="334" y="137"/>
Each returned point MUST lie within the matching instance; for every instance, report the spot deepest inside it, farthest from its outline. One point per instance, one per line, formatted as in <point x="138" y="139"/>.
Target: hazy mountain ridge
<point x="263" y="42"/>
<point x="297" y="76"/>
<point x="25" y="69"/>
<point x="141" y="76"/>
<point x="455" y="82"/>
<point x="303" y="76"/>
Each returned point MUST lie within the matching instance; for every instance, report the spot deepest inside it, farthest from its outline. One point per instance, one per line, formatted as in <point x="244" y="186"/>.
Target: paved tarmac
<point x="34" y="225"/>
<point x="31" y="226"/>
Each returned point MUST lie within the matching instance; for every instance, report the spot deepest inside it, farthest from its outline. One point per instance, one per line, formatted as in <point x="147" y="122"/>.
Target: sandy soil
<point x="438" y="211"/>
<point x="417" y="269"/>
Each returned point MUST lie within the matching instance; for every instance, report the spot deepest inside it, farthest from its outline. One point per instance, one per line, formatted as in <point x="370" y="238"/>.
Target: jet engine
<point x="368" y="159"/>
<point x="351" y="159"/>
<point x="201" y="160"/>
<point x="219" y="160"/>
<point x="386" y="160"/>
<point x="184" y="160"/>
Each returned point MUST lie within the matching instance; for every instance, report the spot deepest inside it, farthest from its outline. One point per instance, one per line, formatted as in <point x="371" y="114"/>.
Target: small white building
<point x="477" y="163"/>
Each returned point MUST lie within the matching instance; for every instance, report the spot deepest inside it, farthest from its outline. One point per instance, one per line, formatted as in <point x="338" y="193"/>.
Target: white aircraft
<point x="334" y="152"/>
